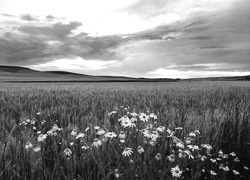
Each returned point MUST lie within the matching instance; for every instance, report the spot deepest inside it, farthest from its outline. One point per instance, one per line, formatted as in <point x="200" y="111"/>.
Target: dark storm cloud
<point x="39" y="43"/>
<point x="57" y="31"/>
<point x="22" y="50"/>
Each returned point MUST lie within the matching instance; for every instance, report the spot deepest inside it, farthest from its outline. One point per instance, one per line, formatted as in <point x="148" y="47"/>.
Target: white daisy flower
<point x="213" y="173"/>
<point x="96" y="127"/>
<point x="232" y="154"/>
<point x="176" y="172"/>
<point x="110" y="135"/>
<point x="100" y="132"/>
<point x="97" y="142"/>
<point x="140" y="149"/>
<point x="161" y="129"/>
<point x="41" y="137"/>
<point x="127" y="151"/>
<point x="236" y="159"/>
<point x="74" y="132"/>
<point x="122" y="135"/>
<point x="133" y="114"/>
<point x="192" y="134"/>
<point x="28" y="145"/>
<point x="67" y="152"/>
<point x="158" y="156"/>
<point x="143" y="117"/>
<point x="37" y="149"/>
<point x="171" y="157"/>
<point x="235" y="172"/>
<point x="80" y="135"/>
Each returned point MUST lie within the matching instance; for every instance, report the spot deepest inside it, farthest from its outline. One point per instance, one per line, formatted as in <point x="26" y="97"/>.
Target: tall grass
<point x="220" y="111"/>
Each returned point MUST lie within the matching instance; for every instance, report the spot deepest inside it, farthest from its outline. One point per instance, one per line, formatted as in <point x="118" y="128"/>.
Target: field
<point x="186" y="130"/>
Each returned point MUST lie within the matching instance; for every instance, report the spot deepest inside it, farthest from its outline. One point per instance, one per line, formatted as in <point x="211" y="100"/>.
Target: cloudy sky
<point x="137" y="38"/>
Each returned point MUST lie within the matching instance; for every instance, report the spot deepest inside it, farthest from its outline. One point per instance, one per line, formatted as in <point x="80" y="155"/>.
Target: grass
<point x="219" y="110"/>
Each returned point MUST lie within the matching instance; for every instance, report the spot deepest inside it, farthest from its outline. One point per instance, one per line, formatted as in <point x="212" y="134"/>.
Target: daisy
<point x="97" y="142"/>
<point x="213" y="160"/>
<point x="153" y="115"/>
<point x="143" y="117"/>
<point x="158" y="156"/>
<point x="41" y="137"/>
<point x="189" y="154"/>
<point x="213" y="173"/>
<point x="133" y="119"/>
<point x="96" y="127"/>
<point x="188" y="140"/>
<point x="28" y="145"/>
<point x="122" y="135"/>
<point x="100" y="132"/>
<point x="32" y="122"/>
<point x="113" y="112"/>
<point x="235" y="172"/>
<point x="127" y="123"/>
<point x="140" y="149"/>
<point x="197" y="132"/>
<point x="127" y="151"/>
<point x="182" y="154"/>
<point x="203" y="158"/>
<point x="67" y="152"/>
<point x="192" y="134"/>
<point x="150" y="126"/>
<point x="236" y="159"/>
<point x="207" y="146"/>
<point x="232" y="154"/>
<point x="180" y="145"/>
<point x="171" y="158"/>
<point x="161" y="129"/>
<point x="110" y="135"/>
<point x="224" y="168"/>
<point x="74" y="132"/>
<point x="123" y="118"/>
<point x="176" y="172"/>
<point x="80" y="135"/>
<point x="37" y="149"/>
<point x="85" y="147"/>
<point x="246" y="168"/>
<point x="55" y="128"/>
<point x="193" y="147"/>
<point x="155" y="135"/>
<point x="220" y="152"/>
<point x="152" y="142"/>
<point x="133" y="114"/>
<point x="170" y="132"/>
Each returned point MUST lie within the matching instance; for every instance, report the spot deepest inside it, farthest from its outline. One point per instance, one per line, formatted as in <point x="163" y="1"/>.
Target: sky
<point x="135" y="38"/>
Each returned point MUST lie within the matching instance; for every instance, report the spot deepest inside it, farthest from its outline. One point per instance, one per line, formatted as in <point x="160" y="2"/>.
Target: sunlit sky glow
<point x="136" y="38"/>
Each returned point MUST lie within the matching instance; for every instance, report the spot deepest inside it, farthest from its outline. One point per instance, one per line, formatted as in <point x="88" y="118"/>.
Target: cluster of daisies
<point x="133" y="134"/>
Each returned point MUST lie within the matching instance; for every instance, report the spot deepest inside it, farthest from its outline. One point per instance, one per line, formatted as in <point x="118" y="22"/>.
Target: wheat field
<point x="182" y="130"/>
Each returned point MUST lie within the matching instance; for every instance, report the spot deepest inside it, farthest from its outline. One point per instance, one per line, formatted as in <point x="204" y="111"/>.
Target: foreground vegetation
<point x="196" y="130"/>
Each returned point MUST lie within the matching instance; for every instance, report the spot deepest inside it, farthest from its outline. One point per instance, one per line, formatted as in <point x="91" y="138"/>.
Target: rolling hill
<point x="22" y="74"/>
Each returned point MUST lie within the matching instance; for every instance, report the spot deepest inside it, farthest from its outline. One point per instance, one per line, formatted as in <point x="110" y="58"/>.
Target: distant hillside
<point x="22" y="74"/>
<point x="233" y="78"/>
